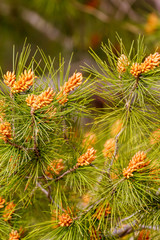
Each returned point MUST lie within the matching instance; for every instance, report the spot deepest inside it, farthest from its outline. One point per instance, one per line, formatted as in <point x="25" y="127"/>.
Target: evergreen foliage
<point x="60" y="181"/>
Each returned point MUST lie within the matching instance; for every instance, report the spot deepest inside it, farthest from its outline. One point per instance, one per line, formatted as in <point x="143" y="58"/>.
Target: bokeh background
<point x="68" y="26"/>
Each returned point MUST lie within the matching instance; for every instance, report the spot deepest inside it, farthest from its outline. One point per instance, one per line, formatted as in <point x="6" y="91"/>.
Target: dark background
<point x="68" y="26"/>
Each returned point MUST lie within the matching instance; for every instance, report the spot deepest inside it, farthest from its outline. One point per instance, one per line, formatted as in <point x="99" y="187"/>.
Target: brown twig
<point x="49" y="188"/>
<point x="47" y="193"/>
<point x="125" y="230"/>
<point x="65" y="173"/>
<point x="86" y="211"/>
<point x="128" y="228"/>
<point x="71" y="170"/>
<point x="17" y="146"/>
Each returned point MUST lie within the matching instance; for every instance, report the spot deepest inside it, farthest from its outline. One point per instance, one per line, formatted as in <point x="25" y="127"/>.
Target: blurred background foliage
<point x="68" y="26"/>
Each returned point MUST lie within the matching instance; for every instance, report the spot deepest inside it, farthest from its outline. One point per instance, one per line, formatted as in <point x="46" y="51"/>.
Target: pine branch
<point x="125" y="230"/>
<point x="18" y="146"/>
<point x="86" y="211"/>
<point x="128" y="228"/>
<point x="155" y="228"/>
<point x="132" y="215"/>
<point x="47" y="193"/>
<point x="65" y="173"/>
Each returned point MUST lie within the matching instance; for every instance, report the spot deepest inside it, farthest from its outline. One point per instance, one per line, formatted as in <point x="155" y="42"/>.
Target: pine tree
<point x="62" y="180"/>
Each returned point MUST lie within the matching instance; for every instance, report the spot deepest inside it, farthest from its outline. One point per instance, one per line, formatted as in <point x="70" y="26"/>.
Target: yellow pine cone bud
<point x="122" y="63"/>
<point x="69" y="86"/>
<point x="109" y="148"/>
<point x="155" y="136"/>
<point x="136" y="69"/>
<point x="2" y="201"/>
<point x="5" y="130"/>
<point x="8" y="211"/>
<point x="31" y="100"/>
<point x="25" y="80"/>
<point x="152" y="61"/>
<point x="9" y="79"/>
<point x="14" y="235"/>
<point x="62" y="97"/>
<point x="137" y="162"/>
<point x="65" y="220"/>
<point x="55" y="168"/>
<point x="73" y="82"/>
<point x="86" y="158"/>
<point x="44" y="99"/>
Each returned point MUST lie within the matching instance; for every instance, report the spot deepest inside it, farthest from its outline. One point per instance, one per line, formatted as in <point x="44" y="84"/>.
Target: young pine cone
<point x="87" y="157"/>
<point x="122" y="63"/>
<point x="65" y="220"/>
<point x="14" y="235"/>
<point x="137" y="162"/>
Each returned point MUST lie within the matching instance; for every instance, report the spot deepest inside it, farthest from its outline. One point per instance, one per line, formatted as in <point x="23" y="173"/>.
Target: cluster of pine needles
<point x="70" y="171"/>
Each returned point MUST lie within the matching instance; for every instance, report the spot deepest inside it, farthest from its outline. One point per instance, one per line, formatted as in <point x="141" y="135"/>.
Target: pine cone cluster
<point x="25" y="80"/>
<point x="69" y="86"/>
<point x="122" y="63"/>
<point x="14" y="235"/>
<point x="137" y="162"/>
<point x="73" y="82"/>
<point x="87" y="157"/>
<point x="8" y="211"/>
<point x="151" y="62"/>
<point x="44" y="99"/>
<point x="5" y="130"/>
<point x="9" y="79"/>
<point x="136" y="69"/>
<point x="2" y="201"/>
<point x="65" y="220"/>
